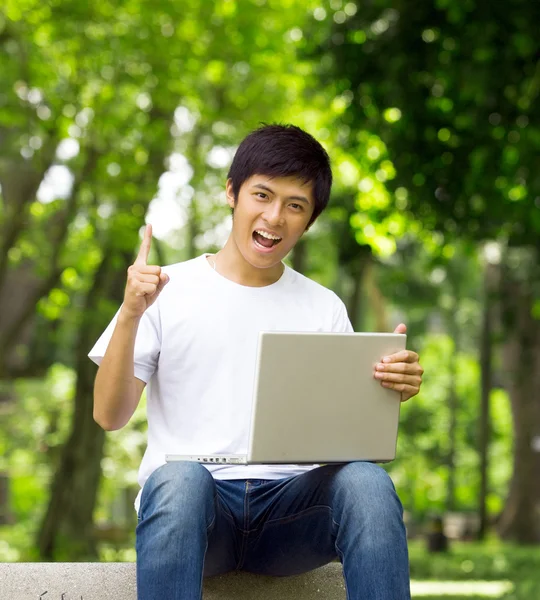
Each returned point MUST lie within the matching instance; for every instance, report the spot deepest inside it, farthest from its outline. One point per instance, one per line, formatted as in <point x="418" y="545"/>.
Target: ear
<point x="231" y="201"/>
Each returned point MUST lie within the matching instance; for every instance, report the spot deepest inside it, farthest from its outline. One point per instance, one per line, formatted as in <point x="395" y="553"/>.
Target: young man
<point x="190" y="332"/>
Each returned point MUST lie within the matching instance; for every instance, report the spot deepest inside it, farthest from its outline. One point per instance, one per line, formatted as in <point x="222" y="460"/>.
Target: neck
<point x="231" y="264"/>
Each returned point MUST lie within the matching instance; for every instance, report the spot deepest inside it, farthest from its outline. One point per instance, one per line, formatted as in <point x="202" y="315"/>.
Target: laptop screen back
<point x="316" y="400"/>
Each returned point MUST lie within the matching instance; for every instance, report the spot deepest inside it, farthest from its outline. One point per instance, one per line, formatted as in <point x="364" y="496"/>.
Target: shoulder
<point x="321" y="300"/>
<point x="310" y="287"/>
<point x="188" y="276"/>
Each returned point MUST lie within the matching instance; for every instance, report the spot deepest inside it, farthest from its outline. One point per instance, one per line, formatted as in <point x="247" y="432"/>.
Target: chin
<point x="264" y="261"/>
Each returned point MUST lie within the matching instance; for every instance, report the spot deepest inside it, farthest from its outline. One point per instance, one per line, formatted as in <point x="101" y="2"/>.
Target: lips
<point x="265" y="240"/>
<point x="263" y="244"/>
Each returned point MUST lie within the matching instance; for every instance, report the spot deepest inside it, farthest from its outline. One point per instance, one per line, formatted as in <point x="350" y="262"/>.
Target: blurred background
<point x="122" y="112"/>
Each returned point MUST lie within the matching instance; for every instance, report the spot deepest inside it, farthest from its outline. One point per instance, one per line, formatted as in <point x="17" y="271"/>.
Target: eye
<point x="296" y="206"/>
<point x="261" y="195"/>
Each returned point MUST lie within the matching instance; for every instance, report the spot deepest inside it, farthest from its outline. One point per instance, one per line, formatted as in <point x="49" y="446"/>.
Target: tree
<point x="95" y="90"/>
<point x="451" y="89"/>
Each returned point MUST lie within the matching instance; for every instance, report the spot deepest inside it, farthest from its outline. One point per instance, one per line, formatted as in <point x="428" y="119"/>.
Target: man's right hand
<point x="144" y="282"/>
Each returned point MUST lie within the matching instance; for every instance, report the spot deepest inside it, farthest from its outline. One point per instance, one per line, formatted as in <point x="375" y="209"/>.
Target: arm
<point x="117" y="391"/>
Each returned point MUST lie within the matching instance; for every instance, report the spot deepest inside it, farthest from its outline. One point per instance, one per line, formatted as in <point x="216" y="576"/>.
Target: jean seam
<point x="245" y="529"/>
<point x="225" y="509"/>
<point x="229" y="516"/>
<point x="340" y="554"/>
<point x="210" y="525"/>
<point x="213" y="521"/>
<point x="204" y="560"/>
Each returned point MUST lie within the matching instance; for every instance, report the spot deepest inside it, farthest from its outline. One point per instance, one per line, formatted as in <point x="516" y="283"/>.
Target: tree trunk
<point x="520" y="519"/>
<point x="20" y="181"/>
<point x="486" y="339"/>
<point x="192" y="228"/>
<point x="377" y="302"/>
<point x="453" y="406"/>
<point x="453" y="400"/>
<point x="5" y="513"/>
<point x="66" y="531"/>
<point x="299" y="257"/>
<point x="196" y="156"/>
<point x="58" y="228"/>
<point x="355" y="305"/>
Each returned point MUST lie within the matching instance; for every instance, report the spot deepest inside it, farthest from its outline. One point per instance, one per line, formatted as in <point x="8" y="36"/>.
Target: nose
<point x="274" y="214"/>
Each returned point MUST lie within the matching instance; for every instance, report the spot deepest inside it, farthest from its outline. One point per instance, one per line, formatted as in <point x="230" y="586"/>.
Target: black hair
<point x="283" y="151"/>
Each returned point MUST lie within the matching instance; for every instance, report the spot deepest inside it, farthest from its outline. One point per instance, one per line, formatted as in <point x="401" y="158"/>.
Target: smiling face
<point x="270" y="216"/>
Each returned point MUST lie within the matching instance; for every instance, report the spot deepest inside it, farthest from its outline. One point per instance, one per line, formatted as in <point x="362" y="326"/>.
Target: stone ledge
<point x="116" y="581"/>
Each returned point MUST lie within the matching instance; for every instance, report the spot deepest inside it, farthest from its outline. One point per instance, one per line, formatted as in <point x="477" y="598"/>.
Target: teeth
<point x="268" y="236"/>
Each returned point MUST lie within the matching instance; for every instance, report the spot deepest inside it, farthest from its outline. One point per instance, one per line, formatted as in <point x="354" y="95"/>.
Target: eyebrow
<point x="267" y="189"/>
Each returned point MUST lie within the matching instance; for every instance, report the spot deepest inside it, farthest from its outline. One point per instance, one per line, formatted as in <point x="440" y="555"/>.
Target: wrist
<point x="125" y="317"/>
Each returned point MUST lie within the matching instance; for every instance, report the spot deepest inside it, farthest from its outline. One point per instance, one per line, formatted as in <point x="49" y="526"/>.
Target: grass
<point x="473" y="562"/>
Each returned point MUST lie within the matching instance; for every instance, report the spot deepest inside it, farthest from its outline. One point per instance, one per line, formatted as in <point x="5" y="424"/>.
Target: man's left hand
<point x="401" y="371"/>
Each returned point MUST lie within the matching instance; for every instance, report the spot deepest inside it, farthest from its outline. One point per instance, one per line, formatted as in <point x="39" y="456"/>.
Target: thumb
<point x="401" y="328"/>
<point x="163" y="281"/>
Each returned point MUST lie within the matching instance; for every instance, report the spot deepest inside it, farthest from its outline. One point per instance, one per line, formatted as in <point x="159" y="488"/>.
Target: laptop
<point x="316" y="401"/>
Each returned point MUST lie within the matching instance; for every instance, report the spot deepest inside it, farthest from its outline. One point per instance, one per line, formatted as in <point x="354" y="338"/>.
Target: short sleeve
<point x="341" y="322"/>
<point x="147" y="343"/>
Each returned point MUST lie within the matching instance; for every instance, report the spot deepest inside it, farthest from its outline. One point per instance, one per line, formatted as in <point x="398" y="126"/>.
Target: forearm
<point x="115" y="391"/>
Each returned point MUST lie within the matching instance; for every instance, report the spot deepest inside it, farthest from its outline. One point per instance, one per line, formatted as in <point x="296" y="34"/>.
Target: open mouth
<point x="264" y="239"/>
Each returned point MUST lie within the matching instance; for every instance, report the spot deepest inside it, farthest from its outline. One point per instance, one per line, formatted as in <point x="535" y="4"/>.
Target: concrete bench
<point x="116" y="581"/>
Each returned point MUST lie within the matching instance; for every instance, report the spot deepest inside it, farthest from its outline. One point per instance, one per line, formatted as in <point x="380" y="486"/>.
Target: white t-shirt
<point x="196" y="349"/>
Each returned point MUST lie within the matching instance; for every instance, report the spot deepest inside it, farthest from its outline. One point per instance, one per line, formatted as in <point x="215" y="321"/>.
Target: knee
<point x="179" y="473"/>
<point x="365" y="475"/>
<point x="367" y="487"/>
<point x="178" y="486"/>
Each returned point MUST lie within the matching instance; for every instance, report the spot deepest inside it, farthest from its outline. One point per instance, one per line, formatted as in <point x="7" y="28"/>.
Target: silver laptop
<point x="316" y="401"/>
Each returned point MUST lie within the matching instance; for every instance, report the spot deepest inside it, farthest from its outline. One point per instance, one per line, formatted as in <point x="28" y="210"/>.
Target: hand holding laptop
<point x="400" y="371"/>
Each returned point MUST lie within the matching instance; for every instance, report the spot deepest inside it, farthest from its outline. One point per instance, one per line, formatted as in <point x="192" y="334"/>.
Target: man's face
<point x="270" y="216"/>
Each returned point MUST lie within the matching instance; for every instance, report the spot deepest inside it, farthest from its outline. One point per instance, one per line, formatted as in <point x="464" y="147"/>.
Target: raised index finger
<point x="144" y="250"/>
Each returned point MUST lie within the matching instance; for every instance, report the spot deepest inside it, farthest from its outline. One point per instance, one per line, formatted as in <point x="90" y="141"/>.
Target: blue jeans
<point x="191" y="526"/>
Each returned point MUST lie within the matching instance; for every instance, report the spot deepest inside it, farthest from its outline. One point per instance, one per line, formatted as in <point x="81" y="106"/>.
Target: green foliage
<point x="31" y="434"/>
<point x="451" y="92"/>
<point x="30" y="438"/>
<point x="420" y="471"/>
